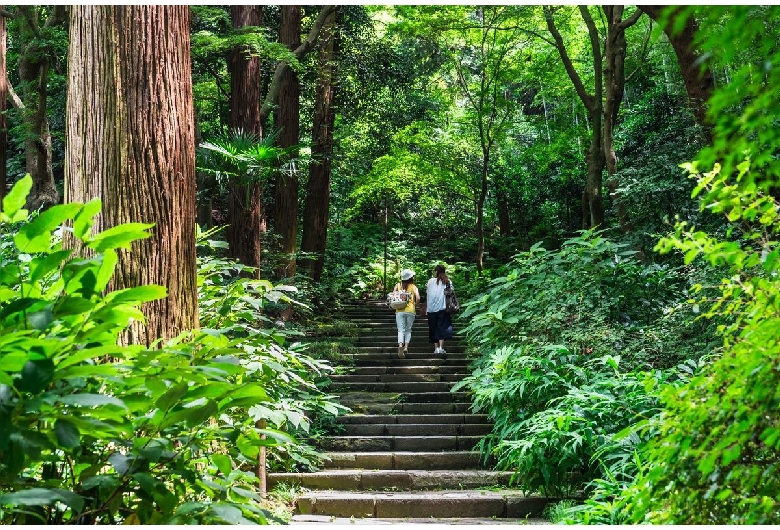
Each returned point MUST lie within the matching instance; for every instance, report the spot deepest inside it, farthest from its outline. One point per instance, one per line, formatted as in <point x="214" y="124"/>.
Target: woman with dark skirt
<point x="439" y="321"/>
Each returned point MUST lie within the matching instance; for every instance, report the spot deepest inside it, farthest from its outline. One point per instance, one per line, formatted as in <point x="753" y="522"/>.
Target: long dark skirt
<point x="439" y="326"/>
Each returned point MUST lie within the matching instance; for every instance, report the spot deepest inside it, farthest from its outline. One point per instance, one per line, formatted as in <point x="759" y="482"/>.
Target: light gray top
<point x="435" y="296"/>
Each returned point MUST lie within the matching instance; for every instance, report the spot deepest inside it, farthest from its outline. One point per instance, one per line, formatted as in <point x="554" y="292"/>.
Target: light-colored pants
<point x="404" y="322"/>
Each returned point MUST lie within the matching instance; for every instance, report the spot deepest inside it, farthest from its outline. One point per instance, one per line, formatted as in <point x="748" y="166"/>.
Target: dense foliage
<point x="93" y="432"/>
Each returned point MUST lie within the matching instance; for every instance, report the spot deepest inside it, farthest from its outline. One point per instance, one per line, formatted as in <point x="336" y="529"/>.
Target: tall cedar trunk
<point x="131" y="142"/>
<point x="699" y="83"/>
<point x="3" y="98"/>
<point x="34" y="74"/>
<point x="288" y="120"/>
<point x="247" y="219"/>
<point x="315" y="214"/>
<point x="614" y="84"/>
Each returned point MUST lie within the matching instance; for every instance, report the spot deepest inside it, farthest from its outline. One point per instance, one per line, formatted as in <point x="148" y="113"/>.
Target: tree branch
<point x="586" y="98"/>
<point x="299" y="52"/>
<point x="16" y="101"/>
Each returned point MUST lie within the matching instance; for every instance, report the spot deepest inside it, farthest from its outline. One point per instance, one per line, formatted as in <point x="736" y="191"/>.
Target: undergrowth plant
<point x="95" y="433"/>
<point x="575" y="345"/>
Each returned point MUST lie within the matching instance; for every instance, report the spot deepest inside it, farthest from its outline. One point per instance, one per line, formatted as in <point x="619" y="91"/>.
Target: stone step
<point x="398" y="378"/>
<point x="447" y="503"/>
<point x="412" y="368"/>
<point x="389" y="479"/>
<point x="357" y="397"/>
<point x="344" y="522"/>
<point x="389" y="356"/>
<point x="361" y="419"/>
<point x="363" y="407"/>
<point x="405" y="460"/>
<point x="398" y="443"/>
<point x="398" y="386"/>
<point x="417" y="429"/>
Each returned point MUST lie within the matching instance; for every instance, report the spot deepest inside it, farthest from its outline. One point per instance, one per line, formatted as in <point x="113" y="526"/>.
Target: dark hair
<point x="440" y="276"/>
<point x="405" y="283"/>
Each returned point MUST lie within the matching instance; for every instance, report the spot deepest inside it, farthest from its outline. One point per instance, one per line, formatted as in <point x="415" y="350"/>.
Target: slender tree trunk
<point x="481" y="209"/>
<point x="614" y="88"/>
<point x="288" y="118"/>
<point x="315" y="215"/>
<point x="246" y="215"/>
<point x="502" y="205"/>
<point x="3" y="98"/>
<point x="34" y="74"/>
<point x="699" y="82"/>
<point x="131" y="142"/>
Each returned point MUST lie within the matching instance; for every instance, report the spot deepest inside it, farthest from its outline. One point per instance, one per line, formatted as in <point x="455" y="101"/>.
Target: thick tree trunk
<point x="33" y="75"/>
<point x="288" y="120"/>
<point x="131" y="142"/>
<point x="699" y="83"/>
<point x="315" y="215"/>
<point x="246" y="215"/>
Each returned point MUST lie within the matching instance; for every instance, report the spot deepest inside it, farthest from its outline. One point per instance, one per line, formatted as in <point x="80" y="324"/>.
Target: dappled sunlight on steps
<point x="406" y="452"/>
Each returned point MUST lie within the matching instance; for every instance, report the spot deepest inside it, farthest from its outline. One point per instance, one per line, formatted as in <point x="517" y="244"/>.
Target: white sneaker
<point x="436" y="351"/>
<point x="442" y="351"/>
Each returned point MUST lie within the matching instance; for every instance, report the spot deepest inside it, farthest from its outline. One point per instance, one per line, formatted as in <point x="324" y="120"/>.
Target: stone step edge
<point x="394" y="479"/>
<point x="405" y="460"/>
<point x="432" y="523"/>
<point x="446" y="503"/>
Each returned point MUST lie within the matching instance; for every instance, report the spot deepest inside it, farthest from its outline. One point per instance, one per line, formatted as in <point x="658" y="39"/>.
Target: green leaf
<point x="41" y="266"/>
<point x="73" y="305"/>
<point x="85" y="218"/>
<point x="40" y="320"/>
<point x="171" y="396"/>
<point x="13" y="361"/>
<point x="190" y="416"/>
<point x="43" y="497"/>
<point x="120" y="236"/>
<point x="14" y="201"/>
<point x="223" y="463"/>
<point x="92" y="400"/>
<point x="68" y="435"/>
<point x="35" y="236"/>
<point x="106" y="271"/>
<point x="36" y="375"/>
<point x="229" y="514"/>
<point x="142" y="293"/>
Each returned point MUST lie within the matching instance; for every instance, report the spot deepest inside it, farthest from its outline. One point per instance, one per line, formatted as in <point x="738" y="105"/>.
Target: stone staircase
<point x="406" y="453"/>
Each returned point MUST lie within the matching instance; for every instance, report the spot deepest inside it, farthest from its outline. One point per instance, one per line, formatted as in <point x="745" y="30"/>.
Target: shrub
<point x="95" y="433"/>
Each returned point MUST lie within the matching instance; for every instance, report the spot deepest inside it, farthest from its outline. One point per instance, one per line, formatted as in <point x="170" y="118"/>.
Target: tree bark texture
<point x="3" y="98"/>
<point x="246" y="215"/>
<point x="130" y="130"/>
<point x="699" y="82"/>
<point x="288" y="120"/>
<point x="34" y="62"/>
<point x="315" y="214"/>
<point x="614" y="84"/>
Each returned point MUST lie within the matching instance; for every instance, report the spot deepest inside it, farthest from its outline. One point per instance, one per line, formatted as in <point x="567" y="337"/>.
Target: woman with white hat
<point x="404" y="317"/>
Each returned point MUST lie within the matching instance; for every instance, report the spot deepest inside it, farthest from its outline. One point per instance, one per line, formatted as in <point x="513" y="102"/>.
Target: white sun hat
<point x="406" y="274"/>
